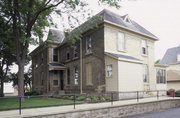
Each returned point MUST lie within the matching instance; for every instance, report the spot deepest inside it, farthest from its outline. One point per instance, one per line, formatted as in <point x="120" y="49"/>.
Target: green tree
<point x="7" y="53"/>
<point x="28" y="19"/>
<point x="13" y="77"/>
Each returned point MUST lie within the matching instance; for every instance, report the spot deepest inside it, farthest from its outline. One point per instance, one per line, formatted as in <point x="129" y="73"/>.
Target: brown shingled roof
<point x="173" y="75"/>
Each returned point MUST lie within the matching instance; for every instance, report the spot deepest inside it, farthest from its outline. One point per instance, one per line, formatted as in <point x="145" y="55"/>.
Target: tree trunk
<point x="2" y="88"/>
<point x="21" y="78"/>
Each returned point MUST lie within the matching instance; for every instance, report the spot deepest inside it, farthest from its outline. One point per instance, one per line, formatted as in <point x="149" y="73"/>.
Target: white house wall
<point x="132" y="48"/>
<point x="130" y="76"/>
<point x="8" y="88"/>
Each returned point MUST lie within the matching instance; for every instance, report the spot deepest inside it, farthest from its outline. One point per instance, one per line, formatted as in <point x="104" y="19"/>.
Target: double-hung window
<point x="76" y="75"/>
<point x="67" y="55"/>
<point x="161" y="76"/>
<point x="75" y="52"/>
<point x="144" y="47"/>
<point x="88" y="44"/>
<point x="121" y="41"/>
<point x="109" y="70"/>
<point x="55" y="55"/>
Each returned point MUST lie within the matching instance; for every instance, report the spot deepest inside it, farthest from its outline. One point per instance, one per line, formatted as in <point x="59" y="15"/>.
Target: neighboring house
<point x="118" y="55"/>
<point x="172" y="60"/>
<point x="9" y="90"/>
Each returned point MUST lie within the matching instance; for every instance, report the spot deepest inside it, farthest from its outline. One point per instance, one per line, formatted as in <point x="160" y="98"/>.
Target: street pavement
<point x="170" y="113"/>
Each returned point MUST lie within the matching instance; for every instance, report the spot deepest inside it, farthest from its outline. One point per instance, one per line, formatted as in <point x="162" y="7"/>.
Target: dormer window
<point x="178" y="57"/>
<point x="127" y="19"/>
<point x="55" y="55"/>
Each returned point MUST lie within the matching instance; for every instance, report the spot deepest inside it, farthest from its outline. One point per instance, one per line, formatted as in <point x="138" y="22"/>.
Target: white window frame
<point x="55" y="55"/>
<point x="76" y="75"/>
<point x="109" y="70"/>
<point x="161" y="76"/>
<point x="88" y="44"/>
<point x="120" y="41"/>
<point x="144" y="46"/>
<point x="75" y="52"/>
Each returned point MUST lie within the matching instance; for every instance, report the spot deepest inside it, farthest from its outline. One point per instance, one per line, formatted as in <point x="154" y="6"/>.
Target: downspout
<point x="81" y="65"/>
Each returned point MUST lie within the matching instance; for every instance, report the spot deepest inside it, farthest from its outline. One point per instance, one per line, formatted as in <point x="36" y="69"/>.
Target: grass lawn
<point x="13" y="102"/>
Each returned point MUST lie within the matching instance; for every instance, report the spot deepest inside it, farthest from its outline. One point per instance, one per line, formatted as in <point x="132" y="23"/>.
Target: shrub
<point x="178" y="93"/>
<point x="81" y="98"/>
<point x="31" y="93"/>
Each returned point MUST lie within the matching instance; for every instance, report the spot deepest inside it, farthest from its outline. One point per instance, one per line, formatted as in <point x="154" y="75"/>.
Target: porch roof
<point x="56" y="66"/>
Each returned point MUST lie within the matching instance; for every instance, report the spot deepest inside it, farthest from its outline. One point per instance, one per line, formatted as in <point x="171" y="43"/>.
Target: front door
<point x="61" y="80"/>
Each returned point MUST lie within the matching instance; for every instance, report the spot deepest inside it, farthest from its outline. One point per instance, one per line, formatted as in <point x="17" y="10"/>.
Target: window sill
<point x="68" y="60"/>
<point x="144" y="55"/>
<point x="123" y="51"/>
<point x="75" y="58"/>
<point x="109" y="76"/>
<point x="146" y="83"/>
<point x="88" y="53"/>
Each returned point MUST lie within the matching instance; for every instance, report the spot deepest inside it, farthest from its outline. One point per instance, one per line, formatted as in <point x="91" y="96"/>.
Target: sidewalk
<point x="70" y="108"/>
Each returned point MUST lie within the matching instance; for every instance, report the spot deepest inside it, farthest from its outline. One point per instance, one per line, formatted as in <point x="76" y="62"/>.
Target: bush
<point x="31" y="93"/>
<point x="1" y="95"/>
<point x="81" y="98"/>
<point x="178" y="93"/>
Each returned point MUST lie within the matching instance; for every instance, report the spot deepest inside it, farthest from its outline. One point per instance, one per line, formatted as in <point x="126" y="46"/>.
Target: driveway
<point x="170" y="113"/>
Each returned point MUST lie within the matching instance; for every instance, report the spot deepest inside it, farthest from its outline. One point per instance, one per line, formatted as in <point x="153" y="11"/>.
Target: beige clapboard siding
<point x="133" y="48"/>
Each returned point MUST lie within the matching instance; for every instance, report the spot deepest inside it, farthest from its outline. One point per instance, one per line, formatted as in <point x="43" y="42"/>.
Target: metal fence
<point x="74" y="99"/>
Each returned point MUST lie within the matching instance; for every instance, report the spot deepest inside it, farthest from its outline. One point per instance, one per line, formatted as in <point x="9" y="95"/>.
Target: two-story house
<point x="118" y="55"/>
<point x="172" y="60"/>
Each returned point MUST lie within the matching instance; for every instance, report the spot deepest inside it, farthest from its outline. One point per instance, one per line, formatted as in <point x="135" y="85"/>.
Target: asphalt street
<point x="170" y="113"/>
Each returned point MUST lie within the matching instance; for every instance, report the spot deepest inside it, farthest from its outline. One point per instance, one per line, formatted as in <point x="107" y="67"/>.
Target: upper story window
<point x="161" y="76"/>
<point x="75" y="52"/>
<point x="67" y="55"/>
<point x="109" y="70"/>
<point x="76" y="75"/>
<point x="145" y="74"/>
<point x="144" y="47"/>
<point x="55" y="55"/>
<point x="121" y="41"/>
<point x="88" y="44"/>
<point x="42" y="57"/>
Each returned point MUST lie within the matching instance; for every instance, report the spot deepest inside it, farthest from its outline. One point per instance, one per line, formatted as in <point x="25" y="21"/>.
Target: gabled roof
<point x="120" y="20"/>
<point x="115" y="19"/>
<point x="170" y="56"/>
<point x="173" y="75"/>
